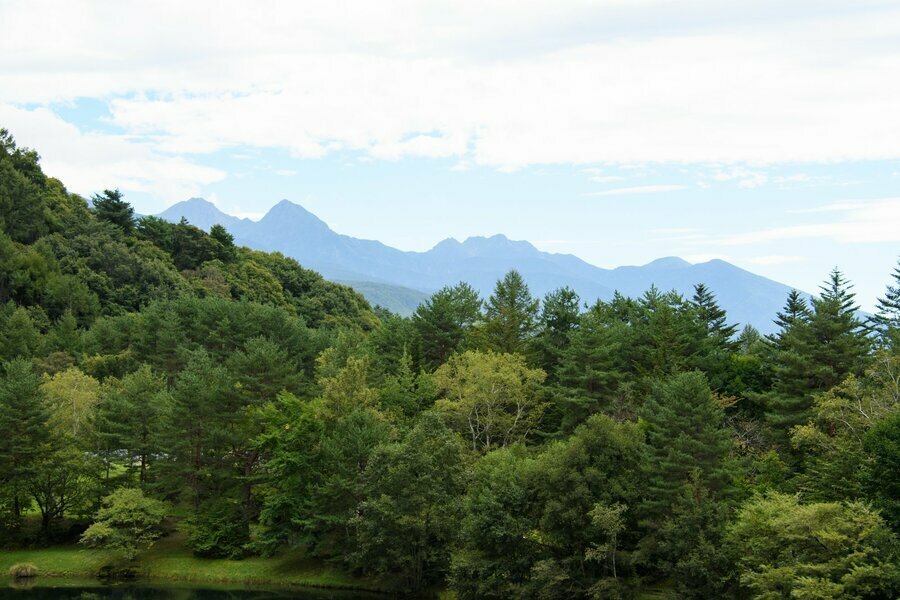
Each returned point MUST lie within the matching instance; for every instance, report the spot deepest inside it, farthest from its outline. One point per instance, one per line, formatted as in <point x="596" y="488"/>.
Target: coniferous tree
<point x="110" y="207"/>
<point x="814" y="352"/>
<point x="795" y="311"/>
<point x="19" y="338"/>
<point x="840" y="344"/>
<point x="687" y="449"/>
<point x="592" y="370"/>
<point x="24" y="434"/>
<point x="715" y="343"/>
<point x="665" y="342"/>
<point x="444" y="321"/>
<point x="131" y="416"/>
<point x="559" y="318"/>
<point x="510" y="315"/>
<point x="711" y="317"/>
<point x="887" y="319"/>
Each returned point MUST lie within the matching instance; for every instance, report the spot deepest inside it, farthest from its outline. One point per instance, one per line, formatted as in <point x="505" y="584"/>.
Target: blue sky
<point x="764" y="133"/>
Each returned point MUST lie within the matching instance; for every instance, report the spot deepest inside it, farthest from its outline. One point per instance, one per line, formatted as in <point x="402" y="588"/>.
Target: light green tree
<point x="127" y="521"/>
<point x="491" y="399"/>
<point x="786" y="549"/>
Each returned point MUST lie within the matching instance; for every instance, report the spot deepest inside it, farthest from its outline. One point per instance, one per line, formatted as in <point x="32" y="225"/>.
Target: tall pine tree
<point x="23" y="434"/>
<point x="887" y="319"/>
<point x="510" y="315"/>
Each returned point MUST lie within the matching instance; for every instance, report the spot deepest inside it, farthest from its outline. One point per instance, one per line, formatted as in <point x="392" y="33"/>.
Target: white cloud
<point x="503" y="84"/>
<point x="861" y="222"/>
<point x="639" y="189"/>
<point x="89" y="162"/>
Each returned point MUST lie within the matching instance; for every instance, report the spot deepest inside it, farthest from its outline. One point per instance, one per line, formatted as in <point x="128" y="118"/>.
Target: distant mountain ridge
<point x="399" y="280"/>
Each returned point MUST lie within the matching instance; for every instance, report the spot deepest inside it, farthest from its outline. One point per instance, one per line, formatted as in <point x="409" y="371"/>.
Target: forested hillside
<point x="157" y="376"/>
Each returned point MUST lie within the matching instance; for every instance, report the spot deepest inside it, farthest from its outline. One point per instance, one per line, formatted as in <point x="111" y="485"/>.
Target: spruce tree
<point x="796" y="310"/>
<point x="592" y="369"/>
<point x="685" y="436"/>
<point x="444" y="321"/>
<point x="715" y="341"/>
<point x="687" y="452"/>
<point x="23" y="433"/>
<point x="814" y="351"/>
<point x="510" y="315"/>
<point x="711" y="317"/>
<point x="559" y="319"/>
<point x="887" y="318"/>
<point x="109" y="206"/>
<point x="840" y="343"/>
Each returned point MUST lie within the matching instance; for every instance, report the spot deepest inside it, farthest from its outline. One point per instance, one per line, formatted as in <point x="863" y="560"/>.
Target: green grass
<point x="59" y="561"/>
<point x="170" y="560"/>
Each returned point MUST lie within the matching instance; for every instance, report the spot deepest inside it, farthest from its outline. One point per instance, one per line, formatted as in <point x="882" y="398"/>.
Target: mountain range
<point x="400" y="280"/>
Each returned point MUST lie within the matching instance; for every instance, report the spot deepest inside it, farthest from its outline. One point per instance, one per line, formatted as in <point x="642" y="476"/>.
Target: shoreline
<point x="168" y="562"/>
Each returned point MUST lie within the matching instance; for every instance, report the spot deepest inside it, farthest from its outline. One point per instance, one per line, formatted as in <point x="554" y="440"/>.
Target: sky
<point x="765" y="133"/>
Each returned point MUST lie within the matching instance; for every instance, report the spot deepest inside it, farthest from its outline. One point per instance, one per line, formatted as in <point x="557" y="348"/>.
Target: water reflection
<point x="47" y="590"/>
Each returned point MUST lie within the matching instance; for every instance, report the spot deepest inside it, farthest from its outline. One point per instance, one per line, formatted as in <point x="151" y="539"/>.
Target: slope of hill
<point x="396" y="279"/>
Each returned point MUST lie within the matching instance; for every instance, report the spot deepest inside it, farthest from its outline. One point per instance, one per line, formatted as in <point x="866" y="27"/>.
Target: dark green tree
<point x="510" y="316"/>
<point x="882" y="478"/>
<point x="409" y="519"/>
<point x="814" y="352"/>
<point x="887" y="319"/>
<point x="687" y="448"/>
<point x="24" y="434"/>
<point x="559" y="317"/>
<point x="130" y="421"/>
<point x="495" y="553"/>
<point x="593" y="369"/>
<point x="444" y="322"/>
<point x="109" y="206"/>
<point x="715" y="342"/>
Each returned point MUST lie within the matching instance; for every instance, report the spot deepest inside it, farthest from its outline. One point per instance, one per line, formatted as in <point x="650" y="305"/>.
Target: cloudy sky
<point x="766" y="133"/>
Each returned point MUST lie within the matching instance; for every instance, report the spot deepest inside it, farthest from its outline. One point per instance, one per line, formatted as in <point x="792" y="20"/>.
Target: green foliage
<point x="688" y="481"/>
<point x="786" y="549"/>
<point x="126" y="521"/>
<point x="542" y="527"/>
<point x="494" y="556"/>
<point x="408" y="520"/>
<point x="559" y="318"/>
<point x="444" y="323"/>
<point x="218" y="529"/>
<point x="131" y="419"/>
<point x="815" y="351"/>
<point x="882" y="479"/>
<point x="510" y="316"/>
<point x="109" y="206"/>
<point x="887" y="319"/>
<point x="24" y="435"/>
<point x="533" y="450"/>
<point x="492" y="399"/>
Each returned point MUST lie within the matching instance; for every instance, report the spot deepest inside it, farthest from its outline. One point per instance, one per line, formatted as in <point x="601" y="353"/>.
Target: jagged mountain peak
<point x="481" y="260"/>
<point x="495" y="246"/>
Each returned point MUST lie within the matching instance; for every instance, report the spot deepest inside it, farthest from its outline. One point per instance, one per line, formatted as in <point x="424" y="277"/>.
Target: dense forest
<point x="502" y="447"/>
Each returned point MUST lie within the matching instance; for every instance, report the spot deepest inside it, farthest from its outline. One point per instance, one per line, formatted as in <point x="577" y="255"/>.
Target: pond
<point x="63" y="589"/>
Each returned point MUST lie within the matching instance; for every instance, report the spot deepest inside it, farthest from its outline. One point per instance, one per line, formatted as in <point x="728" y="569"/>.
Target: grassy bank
<point x="170" y="560"/>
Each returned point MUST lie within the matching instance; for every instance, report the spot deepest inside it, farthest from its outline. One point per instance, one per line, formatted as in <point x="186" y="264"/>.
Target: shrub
<point x="126" y="521"/>
<point x="23" y="571"/>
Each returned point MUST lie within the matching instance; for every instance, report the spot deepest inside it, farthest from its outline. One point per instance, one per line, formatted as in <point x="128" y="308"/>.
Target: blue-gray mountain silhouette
<point x="399" y="280"/>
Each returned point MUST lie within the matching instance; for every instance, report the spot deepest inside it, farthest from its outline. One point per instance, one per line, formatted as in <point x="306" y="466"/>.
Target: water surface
<point x="81" y="589"/>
